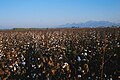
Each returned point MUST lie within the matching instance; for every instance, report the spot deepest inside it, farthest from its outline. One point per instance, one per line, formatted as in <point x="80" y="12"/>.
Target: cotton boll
<point x="14" y="68"/>
<point x="65" y="64"/>
<point x="79" y="59"/>
<point x="11" y="66"/>
<point x="85" y="54"/>
<point x="23" y="63"/>
<point x="39" y="66"/>
<point x="38" y="58"/>
<point x="89" y="51"/>
<point x="85" y="50"/>
<point x="79" y="76"/>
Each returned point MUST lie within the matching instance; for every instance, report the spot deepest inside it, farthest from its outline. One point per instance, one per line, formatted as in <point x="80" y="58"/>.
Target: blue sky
<point x="46" y="13"/>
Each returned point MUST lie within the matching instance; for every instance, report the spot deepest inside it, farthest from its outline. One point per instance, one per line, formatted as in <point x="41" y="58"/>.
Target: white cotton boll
<point x="14" y="68"/>
<point x="17" y="58"/>
<point x="56" y="45"/>
<point x="10" y="59"/>
<point x="119" y="77"/>
<point x="16" y="64"/>
<point x="39" y="74"/>
<point x="28" y="43"/>
<point x="111" y="79"/>
<point x="43" y="72"/>
<point x="48" y="78"/>
<point x="115" y="54"/>
<point x="79" y="76"/>
<point x="16" y="55"/>
<point x="79" y="59"/>
<point x="93" y="54"/>
<point x="85" y="54"/>
<point x="4" y="55"/>
<point x="39" y="66"/>
<point x="38" y="58"/>
<point x="11" y="66"/>
<point x="82" y="53"/>
<point x="66" y="63"/>
<point x="89" y="77"/>
<point x="98" y="43"/>
<point x="89" y="51"/>
<point x="85" y="50"/>
<point x="96" y="77"/>
<point x="105" y="75"/>
<point x="64" y="66"/>
<point x="61" y="57"/>
<point x="84" y="59"/>
<point x="83" y="71"/>
<point x="23" y="63"/>
<point x="118" y="45"/>
<point x="34" y="74"/>
<point x="28" y="76"/>
<point x="33" y="65"/>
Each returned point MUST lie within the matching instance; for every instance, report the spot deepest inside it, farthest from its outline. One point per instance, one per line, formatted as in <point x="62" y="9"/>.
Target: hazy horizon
<point x="48" y="13"/>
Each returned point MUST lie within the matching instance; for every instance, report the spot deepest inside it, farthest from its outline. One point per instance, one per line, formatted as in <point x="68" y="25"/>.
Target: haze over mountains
<point x="88" y="24"/>
<point x="91" y="24"/>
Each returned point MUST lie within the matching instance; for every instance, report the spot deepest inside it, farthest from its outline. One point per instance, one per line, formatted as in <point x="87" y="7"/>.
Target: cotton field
<point x="60" y="54"/>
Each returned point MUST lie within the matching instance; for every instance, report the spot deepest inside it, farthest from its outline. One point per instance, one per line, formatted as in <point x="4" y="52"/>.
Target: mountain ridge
<point x="90" y="24"/>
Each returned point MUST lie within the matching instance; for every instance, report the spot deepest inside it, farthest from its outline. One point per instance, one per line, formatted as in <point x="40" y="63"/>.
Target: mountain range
<point x="90" y="24"/>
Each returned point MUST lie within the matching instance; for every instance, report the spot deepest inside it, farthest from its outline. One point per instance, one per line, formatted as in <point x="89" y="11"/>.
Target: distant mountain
<point x="90" y="24"/>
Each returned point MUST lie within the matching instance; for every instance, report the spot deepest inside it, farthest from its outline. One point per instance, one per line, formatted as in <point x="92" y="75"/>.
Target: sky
<point x="48" y="13"/>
